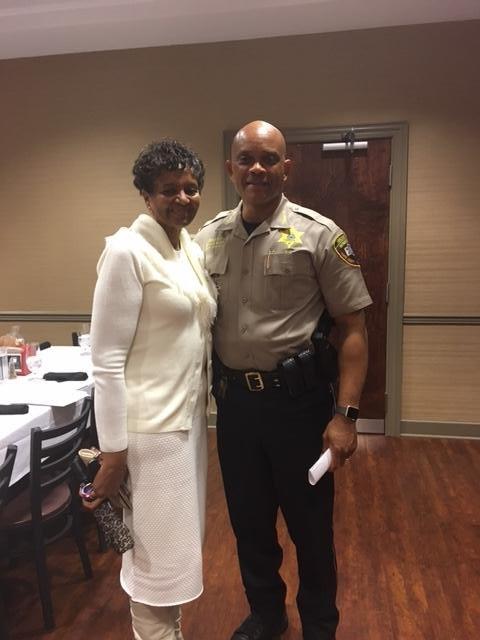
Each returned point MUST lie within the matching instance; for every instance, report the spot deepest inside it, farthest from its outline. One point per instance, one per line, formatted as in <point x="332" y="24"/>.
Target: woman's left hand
<point x="108" y="479"/>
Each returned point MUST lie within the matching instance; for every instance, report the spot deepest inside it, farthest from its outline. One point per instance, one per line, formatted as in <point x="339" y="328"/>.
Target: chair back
<point x="75" y="339"/>
<point x="52" y="452"/>
<point x="6" y="472"/>
<point x="92" y="432"/>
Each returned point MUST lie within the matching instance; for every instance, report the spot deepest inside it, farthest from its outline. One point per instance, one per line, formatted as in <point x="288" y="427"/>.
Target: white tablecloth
<point x="16" y="429"/>
<point x="66" y="359"/>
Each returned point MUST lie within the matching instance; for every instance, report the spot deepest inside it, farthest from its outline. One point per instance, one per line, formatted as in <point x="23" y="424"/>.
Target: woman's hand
<point x="108" y="479"/>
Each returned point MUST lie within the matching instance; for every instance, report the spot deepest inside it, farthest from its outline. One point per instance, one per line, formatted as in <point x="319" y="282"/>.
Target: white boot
<point x="155" y="623"/>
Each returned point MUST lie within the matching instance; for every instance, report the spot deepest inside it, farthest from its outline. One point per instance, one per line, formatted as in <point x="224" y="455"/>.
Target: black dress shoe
<point x="254" y="628"/>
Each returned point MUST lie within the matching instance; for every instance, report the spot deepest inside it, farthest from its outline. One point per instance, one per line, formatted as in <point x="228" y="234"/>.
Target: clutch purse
<point x="117" y="534"/>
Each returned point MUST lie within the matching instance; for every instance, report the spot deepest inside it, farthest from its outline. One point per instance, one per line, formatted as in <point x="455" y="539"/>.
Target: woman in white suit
<point x="152" y="313"/>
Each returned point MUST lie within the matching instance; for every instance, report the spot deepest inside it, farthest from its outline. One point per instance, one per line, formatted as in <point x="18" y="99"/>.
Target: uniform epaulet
<point x="218" y="217"/>
<point x="314" y="215"/>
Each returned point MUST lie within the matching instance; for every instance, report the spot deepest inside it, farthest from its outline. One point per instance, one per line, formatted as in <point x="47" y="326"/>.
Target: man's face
<point x="258" y="167"/>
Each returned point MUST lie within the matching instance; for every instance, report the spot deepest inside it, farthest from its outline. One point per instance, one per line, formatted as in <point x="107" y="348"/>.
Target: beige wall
<point x="71" y="126"/>
<point x="441" y="379"/>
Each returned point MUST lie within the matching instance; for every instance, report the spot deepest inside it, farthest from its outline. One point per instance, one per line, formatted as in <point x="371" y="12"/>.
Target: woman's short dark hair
<point x="165" y="155"/>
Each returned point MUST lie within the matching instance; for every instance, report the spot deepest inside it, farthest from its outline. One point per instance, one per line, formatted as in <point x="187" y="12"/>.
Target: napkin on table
<point x="13" y="409"/>
<point x="60" y="376"/>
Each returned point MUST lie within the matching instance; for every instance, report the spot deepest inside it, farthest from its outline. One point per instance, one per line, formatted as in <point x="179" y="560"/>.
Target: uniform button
<point x="244" y="272"/>
<point x="243" y="329"/>
<point x="244" y="300"/>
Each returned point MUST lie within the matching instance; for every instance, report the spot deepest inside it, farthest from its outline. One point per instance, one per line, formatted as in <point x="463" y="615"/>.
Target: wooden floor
<point x="408" y="547"/>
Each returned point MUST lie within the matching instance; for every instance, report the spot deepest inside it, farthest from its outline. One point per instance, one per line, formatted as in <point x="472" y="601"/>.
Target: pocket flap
<point x="285" y="264"/>
<point x="216" y="262"/>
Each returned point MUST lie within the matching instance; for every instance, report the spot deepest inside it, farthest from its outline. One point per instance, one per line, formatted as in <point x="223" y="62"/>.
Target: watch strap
<point x="349" y="412"/>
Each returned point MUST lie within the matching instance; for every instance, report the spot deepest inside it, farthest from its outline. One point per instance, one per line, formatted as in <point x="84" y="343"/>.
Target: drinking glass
<point x="3" y="364"/>
<point x="34" y="359"/>
<point x="84" y="339"/>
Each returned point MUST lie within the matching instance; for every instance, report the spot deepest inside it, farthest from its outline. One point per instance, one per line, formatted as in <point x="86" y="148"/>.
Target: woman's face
<point x="174" y="201"/>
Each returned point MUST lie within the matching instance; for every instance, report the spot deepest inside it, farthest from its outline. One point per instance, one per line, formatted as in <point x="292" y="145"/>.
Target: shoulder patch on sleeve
<point x="344" y="251"/>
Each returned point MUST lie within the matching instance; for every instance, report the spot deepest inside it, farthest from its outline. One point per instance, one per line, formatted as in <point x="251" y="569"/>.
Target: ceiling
<point x="42" y="27"/>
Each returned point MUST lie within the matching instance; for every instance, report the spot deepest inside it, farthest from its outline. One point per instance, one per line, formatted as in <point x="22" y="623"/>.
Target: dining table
<point x="50" y="403"/>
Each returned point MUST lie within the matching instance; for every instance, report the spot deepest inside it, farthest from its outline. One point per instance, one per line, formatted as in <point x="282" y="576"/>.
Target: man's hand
<point x="108" y="479"/>
<point x="340" y="437"/>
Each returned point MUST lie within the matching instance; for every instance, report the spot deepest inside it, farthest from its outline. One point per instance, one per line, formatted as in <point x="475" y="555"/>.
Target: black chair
<point x="92" y="433"/>
<point x="44" y="345"/>
<point x="50" y="507"/>
<point x="5" y="476"/>
<point x="75" y="339"/>
<point x="92" y="441"/>
<point x="6" y="472"/>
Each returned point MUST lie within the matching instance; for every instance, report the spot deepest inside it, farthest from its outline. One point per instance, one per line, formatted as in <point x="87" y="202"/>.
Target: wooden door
<point x="353" y="189"/>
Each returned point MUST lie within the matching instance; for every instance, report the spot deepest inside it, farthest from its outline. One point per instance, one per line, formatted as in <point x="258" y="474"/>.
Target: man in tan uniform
<point x="278" y="267"/>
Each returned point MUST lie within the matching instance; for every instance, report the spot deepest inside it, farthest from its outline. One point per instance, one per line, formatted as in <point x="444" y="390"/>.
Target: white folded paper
<point x="321" y="466"/>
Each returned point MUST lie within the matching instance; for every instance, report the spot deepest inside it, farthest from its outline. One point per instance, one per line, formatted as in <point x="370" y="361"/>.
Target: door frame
<point x="398" y="133"/>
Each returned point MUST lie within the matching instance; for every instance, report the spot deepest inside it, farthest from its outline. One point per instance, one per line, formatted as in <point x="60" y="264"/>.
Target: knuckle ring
<point x="87" y="492"/>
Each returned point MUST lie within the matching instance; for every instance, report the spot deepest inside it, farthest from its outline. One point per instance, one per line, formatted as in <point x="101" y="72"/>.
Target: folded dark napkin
<point x="60" y="376"/>
<point x="13" y="409"/>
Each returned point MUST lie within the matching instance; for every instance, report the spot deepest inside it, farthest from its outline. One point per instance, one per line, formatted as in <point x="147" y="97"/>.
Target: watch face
<point x="352" y="413"/>
<point x="349" y="412"/>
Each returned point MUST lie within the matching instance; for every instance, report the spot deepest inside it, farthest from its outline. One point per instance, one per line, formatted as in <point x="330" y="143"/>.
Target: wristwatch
<point x="349" y="412"/>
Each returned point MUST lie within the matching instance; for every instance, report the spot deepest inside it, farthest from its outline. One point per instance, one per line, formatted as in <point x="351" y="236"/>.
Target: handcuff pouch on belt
<point x="299" y="373"/>
<point x="311" y="367"/>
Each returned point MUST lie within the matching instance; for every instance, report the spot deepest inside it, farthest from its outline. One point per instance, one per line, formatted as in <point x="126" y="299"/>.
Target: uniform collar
<point x="279" y="219"/>
<point x="228" y="218"/>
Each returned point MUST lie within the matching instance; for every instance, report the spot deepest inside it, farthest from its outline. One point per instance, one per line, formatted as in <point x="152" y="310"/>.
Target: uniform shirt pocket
<point x="289" y="278"/>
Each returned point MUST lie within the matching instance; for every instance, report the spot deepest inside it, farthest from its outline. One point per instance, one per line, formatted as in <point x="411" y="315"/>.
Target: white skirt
<point x="168" y="473"/>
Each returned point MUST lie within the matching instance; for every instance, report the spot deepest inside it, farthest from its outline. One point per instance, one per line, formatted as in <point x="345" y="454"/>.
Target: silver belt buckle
<point x="254" y="381"/>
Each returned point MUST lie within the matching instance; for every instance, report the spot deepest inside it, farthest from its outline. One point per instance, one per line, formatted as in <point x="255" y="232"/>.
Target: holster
<point x="325" y="352"/>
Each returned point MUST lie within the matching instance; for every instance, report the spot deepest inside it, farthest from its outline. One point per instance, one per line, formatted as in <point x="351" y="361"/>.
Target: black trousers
<point x="266" y="443"/>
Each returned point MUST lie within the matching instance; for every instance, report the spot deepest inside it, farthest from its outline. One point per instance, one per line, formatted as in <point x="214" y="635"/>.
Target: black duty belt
<point x="252" y="380"/>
